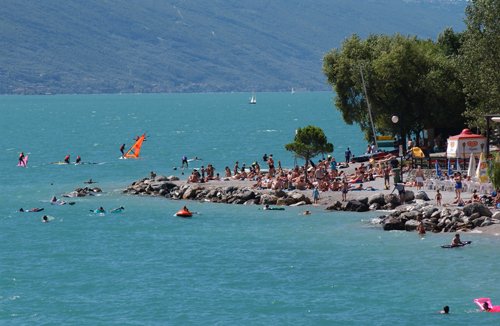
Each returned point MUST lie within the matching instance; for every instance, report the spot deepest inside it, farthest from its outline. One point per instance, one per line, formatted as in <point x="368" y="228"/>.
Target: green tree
<point x="480" y="60"/>
<point x="308" y="143"/>
<point x="450" y="41"/>
<point x="413" y="79"/>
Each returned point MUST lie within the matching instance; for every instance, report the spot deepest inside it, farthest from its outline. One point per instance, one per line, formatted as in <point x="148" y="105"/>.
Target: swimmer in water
<point x="45" y="219"/>
<point x="445" y="311"/>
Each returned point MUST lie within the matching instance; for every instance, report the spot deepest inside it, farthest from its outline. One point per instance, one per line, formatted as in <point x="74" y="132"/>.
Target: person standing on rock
<point x="458" y="186"/>
<point x="419" y="178"/>
<point x="387" y="174"/>
<point x="236" y="168"/>
<point x="315" y="195"/>
<point x="348" y="155"/>
<point x="345" y="189"/>
<point x="438" y="198"/>
<point x="401" y="190"/>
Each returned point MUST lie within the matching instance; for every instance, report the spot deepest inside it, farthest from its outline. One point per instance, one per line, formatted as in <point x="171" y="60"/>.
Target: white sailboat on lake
<point x="253" y="99"/>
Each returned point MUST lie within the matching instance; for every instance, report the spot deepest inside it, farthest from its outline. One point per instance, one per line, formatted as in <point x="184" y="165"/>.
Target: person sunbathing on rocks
<point x="194" y="177"/>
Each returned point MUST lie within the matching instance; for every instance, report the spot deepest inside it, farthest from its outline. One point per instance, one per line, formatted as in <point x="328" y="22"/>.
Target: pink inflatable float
<point x="481" y="304"/>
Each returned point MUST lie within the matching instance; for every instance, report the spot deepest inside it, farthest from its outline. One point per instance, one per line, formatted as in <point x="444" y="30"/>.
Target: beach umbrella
<point x="438" y="170"/>
<point x="481" y="171"/>
<point x="450" y="171"/>
<point x="472" y="165"/>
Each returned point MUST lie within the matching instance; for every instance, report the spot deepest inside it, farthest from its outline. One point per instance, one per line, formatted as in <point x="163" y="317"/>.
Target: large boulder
<point x="157" y="185"/>
<point x="393" y="223"/>
<point x="190" y="193"/>
<point x="246" y="194"/>
<point x="337" y="206"/>
<point x="477" y="208"/>
<point x="376" y="199"/>
<point x="280" y="193"/>
<point x="268" y="199"/>
<point x="411" y="225"/>
<point x="422" y="195"/>
<point x="285" y="201"/>
<point x="411" y="215"/>
<point x="356" y="206"/>
<point x="428" y="211"/>
<point x="297" y="196"/>
<point x="160" y="178"/>
<point x="409" y="196"/>
<point x="392" y="200"/>
<point x="496" y="216"/>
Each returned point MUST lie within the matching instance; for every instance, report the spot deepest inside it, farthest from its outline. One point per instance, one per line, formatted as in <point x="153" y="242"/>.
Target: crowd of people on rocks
<point x="329" y="175"/>
<point x="325" y="175"/>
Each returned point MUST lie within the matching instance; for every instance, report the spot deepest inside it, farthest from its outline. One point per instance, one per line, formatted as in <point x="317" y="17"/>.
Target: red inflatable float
<point x="184" y="213"/>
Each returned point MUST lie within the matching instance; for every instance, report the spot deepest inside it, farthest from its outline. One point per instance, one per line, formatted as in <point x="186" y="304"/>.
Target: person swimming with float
<point x="118" y="209"/>
<point x="31" y="210"/>
<point x="100" y="210"/>
<point x="456" y="242"/>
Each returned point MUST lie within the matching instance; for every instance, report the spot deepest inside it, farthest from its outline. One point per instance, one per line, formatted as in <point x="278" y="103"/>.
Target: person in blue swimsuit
<point x="458" y="185"/>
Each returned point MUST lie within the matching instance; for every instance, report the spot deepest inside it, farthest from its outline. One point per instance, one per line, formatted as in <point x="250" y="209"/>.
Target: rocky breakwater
<point x="169" y="187"/>
<point x="373" y="202"/>
<point x="82" y="192"/>
<point x="439" y="219"/>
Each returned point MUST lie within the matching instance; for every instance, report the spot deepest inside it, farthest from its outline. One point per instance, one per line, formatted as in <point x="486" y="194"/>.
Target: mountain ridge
<point x="99" y="46"/>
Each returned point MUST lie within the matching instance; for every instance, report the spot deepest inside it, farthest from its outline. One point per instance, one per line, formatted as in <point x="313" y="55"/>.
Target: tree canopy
<point x="411" y="78"/>
<point x="480" y="60"/>
<point x="308" y="143"/>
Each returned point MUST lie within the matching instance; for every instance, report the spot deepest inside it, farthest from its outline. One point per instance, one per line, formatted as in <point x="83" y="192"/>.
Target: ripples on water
<point x="227" y="265"/>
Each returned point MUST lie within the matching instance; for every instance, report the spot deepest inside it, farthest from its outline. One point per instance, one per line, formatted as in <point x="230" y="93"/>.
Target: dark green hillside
<point x="99" y="46"/>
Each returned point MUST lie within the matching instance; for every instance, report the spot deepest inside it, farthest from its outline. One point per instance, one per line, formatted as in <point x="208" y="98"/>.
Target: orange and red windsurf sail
<point x="135" y="150"/>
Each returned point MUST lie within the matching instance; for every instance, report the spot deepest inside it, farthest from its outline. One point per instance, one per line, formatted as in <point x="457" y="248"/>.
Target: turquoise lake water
<point x="227" y="265"/>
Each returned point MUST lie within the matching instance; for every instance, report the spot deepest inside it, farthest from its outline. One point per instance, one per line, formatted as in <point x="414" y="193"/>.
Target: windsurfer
<point x="66" y="159"/>
<point x="78" y="159"/>
<point x="184" y="161"/>
<point x="122" y="149"/>
<point x="21" y="159"/>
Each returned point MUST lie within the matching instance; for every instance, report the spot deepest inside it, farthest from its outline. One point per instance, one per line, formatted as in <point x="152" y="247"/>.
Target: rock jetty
<point x="168" y="187"/>
<point x="405" y="215"/>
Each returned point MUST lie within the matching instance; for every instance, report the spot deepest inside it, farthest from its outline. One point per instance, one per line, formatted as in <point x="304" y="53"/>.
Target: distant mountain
<point x="112" y="46"/>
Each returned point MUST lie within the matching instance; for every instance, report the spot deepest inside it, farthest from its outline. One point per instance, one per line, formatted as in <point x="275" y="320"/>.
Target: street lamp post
<point x="395" y="120"/>
<point x="463" y="153"/>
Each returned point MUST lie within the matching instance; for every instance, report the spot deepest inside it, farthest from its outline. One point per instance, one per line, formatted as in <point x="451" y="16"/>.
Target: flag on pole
<point x="438" y="170"/>
<point x="450" y="171"/>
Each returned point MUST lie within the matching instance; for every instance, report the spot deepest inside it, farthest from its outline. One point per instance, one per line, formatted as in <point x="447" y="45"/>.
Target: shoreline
<point x="243" y="192"/>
